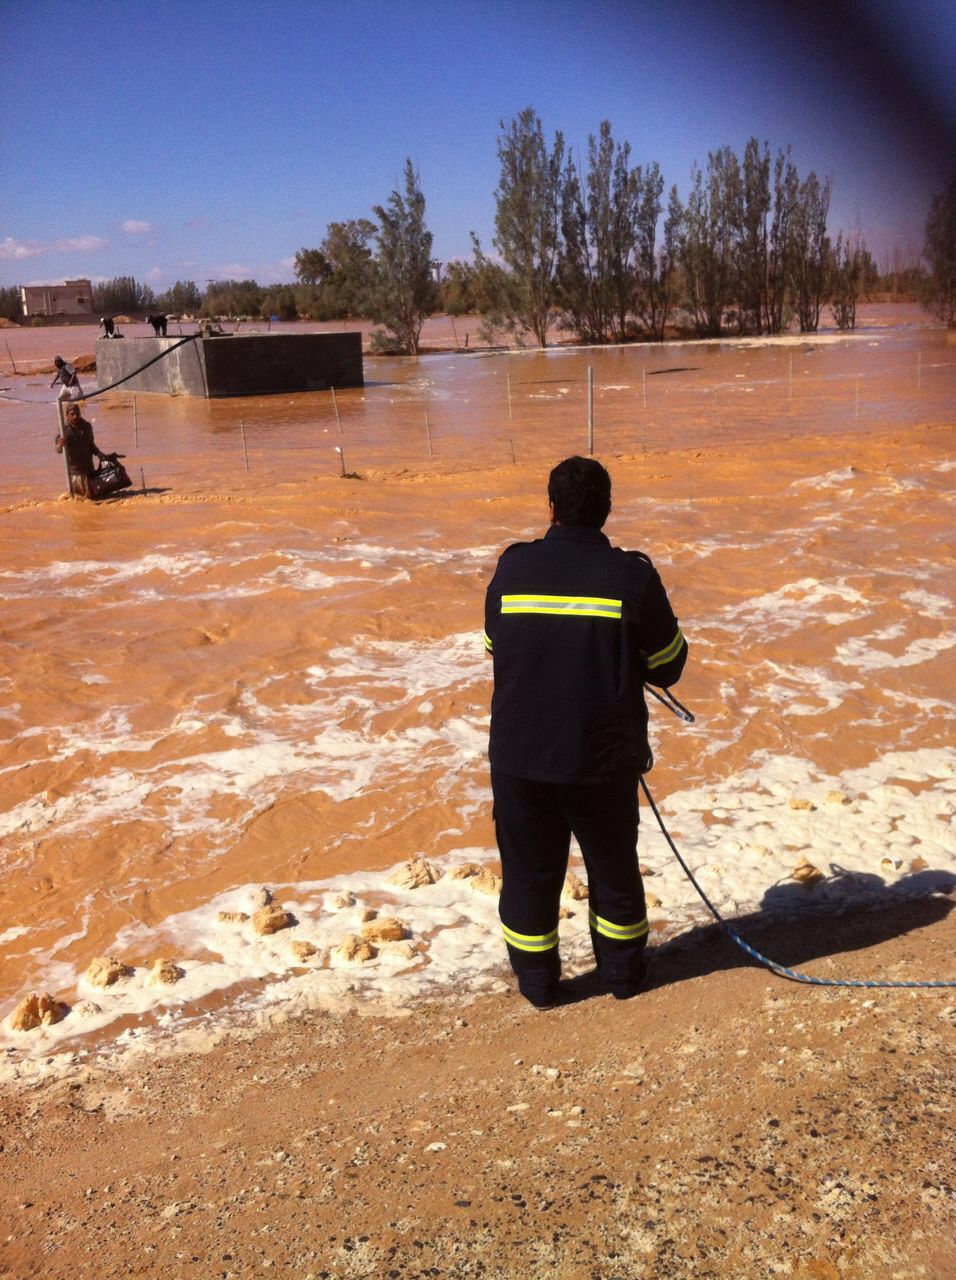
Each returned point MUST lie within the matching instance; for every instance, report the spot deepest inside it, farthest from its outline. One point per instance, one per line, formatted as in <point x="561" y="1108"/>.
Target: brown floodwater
<point x="258" y="672"/>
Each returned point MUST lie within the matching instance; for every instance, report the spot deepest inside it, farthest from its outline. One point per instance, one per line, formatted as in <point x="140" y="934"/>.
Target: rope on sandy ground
<point x="781" y="970"/>
<point x="119" y="382"/>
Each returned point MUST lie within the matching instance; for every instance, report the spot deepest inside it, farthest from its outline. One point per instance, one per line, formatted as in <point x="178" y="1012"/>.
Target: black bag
<point x="110" y="478"/>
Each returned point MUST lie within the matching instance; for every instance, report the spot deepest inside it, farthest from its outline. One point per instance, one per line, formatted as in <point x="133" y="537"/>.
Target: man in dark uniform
<point x="575" y="627"/>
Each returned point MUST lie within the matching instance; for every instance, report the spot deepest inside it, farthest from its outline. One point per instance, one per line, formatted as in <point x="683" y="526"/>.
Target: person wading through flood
<point x="81" y="449"/>
<point x="66" y="373"/>
<point x="575" y="627"/>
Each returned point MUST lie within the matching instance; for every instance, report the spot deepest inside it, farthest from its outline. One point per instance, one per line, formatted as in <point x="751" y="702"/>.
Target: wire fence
<point x="461" y="412"/>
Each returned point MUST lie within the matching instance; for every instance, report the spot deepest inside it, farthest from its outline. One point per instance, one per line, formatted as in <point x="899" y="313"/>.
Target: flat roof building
<point x="72" y="298"/>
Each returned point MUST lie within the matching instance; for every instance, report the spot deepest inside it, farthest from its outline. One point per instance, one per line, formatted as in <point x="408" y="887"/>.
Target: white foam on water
<point x="791" y="681"/>
<point x="274" y="744"/>
<point x="829" y="480"/>
<point x="73" y="577"/>
<point x="859" y="652"/>
<point x="928" y="604"/>
<point x="786" y="609"/>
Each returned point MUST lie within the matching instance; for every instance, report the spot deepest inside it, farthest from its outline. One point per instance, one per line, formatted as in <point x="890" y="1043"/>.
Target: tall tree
<point x="623" y="240"/>
<point x="404" y="291"/>
<point x="183" y="298"/>
<point x="753" y="237"/>
<point x="233" y="298"/>
<point x="11" y="305"/>
<point x="708" y="240"/>
<point x="652" y="271"/>
<point x="311" y="266"/>
<point x="847" y="278"/>
<point x="527" y="219"/>
<point x="940" y="253"/>
<point x="122" y="294"/>
<point x="581" y="271"/>
<point x="811" y="260"/>
<point x="347" y="250"/>
<point x="458" y="291"/>
<point x="786" y="187"/>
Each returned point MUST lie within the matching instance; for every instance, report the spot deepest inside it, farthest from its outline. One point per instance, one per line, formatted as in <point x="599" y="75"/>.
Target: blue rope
<point x="793" y="974"/>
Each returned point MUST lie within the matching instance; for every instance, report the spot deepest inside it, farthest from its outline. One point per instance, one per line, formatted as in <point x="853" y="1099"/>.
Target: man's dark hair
<point x="580" y="490"/>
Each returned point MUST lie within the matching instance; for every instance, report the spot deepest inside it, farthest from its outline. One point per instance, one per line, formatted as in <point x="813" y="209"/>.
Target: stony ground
<point x="725" y="1123"/>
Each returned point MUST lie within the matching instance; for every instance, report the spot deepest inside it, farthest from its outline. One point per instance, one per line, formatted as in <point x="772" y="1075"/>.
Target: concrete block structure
<point x="233" y="364"/>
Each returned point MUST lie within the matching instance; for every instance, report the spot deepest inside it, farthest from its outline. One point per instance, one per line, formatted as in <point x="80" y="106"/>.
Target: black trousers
<point x="534" y="822"/>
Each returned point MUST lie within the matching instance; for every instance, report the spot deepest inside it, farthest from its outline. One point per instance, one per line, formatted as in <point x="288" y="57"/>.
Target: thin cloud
<point x="14" y="250"/>
<point x="77" y="244"/>
<point x="132" y="227"/>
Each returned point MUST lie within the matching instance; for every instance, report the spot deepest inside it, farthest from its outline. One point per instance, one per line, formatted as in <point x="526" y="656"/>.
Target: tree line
<point x="592" y="245"/>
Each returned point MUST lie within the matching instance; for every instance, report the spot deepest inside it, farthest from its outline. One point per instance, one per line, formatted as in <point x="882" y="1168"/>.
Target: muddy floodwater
<point x="251" y="672"/>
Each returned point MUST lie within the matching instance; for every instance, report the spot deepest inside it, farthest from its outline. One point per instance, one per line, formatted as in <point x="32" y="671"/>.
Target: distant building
<point x="72" y="298"/>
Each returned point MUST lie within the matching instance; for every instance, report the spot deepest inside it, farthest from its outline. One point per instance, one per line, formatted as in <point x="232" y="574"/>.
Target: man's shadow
<point x="797" y="924"/>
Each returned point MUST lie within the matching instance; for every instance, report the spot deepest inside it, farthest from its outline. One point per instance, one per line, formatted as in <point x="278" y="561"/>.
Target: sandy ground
<point x="724" y="1123"/>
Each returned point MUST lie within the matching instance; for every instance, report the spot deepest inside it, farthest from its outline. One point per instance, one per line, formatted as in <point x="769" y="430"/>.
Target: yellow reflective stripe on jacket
<point x="487" y="641"/>
<point x="572" y="606"/>
<point x="666" y="655"/>
<point x="622" y="932"/>
<point x="530" y="941"/>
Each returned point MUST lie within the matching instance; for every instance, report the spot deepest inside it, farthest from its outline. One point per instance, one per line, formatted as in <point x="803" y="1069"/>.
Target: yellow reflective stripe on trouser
<point x="665" y="655"/>
<point x="565" y="606"/>
<point x="530" y="941"/>
<point x="622" y="932"/>
<point x="487" y="637"/>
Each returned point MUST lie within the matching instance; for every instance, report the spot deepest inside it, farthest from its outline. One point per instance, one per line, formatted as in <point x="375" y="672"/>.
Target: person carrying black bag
<point x="86" y="480"/>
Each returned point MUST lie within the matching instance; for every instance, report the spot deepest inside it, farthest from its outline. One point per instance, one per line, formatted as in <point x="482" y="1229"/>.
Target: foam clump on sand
<point x="414" y="874"/>
<point x="384" y="929"/>
<point x="106" y="971"/>
<point x="354" y="949"/>
<point x="36" y="1011"/>
<point x="303" y="950"/>
<point x="271" y="919"/>
<point x="164" y="972"/>
<point x="480" y="877"/>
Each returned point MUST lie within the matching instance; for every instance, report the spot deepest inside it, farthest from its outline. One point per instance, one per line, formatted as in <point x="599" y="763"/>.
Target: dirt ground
<point x="724" y="1123"/>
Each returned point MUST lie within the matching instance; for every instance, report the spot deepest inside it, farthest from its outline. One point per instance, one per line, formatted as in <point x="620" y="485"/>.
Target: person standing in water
<point x="81" y="448"/>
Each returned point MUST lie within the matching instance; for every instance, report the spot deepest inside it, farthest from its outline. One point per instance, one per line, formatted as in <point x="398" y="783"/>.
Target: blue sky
<point x="196" y="139"/>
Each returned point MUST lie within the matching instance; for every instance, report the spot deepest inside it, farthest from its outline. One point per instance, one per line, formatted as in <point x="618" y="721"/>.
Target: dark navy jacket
<point x="575" y="627"/>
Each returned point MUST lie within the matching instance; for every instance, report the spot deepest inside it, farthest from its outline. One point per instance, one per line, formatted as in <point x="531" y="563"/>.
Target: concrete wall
<point x="234" y="365"/>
